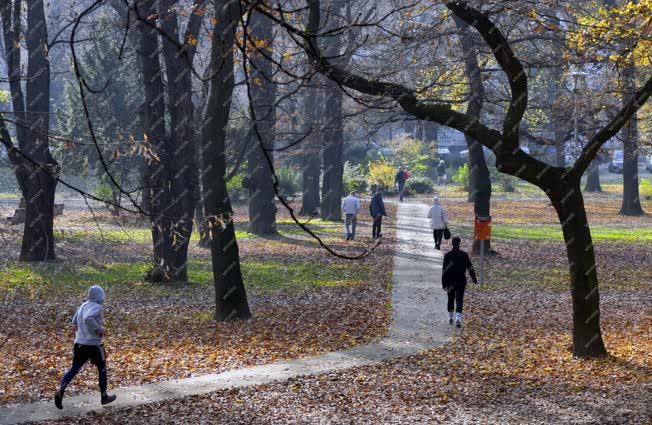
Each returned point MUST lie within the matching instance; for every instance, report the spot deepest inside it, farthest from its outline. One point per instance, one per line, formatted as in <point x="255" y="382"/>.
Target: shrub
<point x="381" y="174"/>
<point x="354" y="178"/>
<point x="235" y="187"/>
<point x="288" y="181"/>
<point x="103" y="191"/>
<point x="419" y="184"/>
<point x="462" y="176"/>
<point x="506" y="182"/>
<point x="645" y="189"/>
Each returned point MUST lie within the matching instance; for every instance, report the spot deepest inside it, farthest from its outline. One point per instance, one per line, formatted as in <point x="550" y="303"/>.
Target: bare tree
<point x="230" y="296"/>
<point x="37" y="170"/>
<point x="262" y="209"/>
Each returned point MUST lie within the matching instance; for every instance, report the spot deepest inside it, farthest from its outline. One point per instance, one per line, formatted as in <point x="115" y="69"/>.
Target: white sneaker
<point x="458" y="320"/>
<point x="450" y="318"/>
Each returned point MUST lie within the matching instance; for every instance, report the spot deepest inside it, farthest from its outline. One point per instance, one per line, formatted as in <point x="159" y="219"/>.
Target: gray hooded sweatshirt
<point x="88" y="318"/>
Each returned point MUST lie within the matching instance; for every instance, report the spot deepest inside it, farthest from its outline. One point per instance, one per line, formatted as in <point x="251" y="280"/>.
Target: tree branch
<point x="600" y="138"/>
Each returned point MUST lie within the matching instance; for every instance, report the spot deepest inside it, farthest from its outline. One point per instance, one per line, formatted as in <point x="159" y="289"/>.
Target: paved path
<point x="419" y="322"/>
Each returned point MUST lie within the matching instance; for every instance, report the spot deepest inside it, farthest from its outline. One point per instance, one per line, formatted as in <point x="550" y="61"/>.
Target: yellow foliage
<point x="381" y="173"/>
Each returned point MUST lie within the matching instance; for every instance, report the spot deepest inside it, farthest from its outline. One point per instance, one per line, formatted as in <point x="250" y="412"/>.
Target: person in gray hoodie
<point x="88" y="344"/>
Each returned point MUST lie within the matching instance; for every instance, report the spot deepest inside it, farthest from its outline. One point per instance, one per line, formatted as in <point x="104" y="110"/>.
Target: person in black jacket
<point x="453" y="279"/>
<point x="377" y="211"/>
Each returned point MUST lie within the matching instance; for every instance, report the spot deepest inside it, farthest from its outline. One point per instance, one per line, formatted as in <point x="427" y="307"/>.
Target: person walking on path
<point x="453" y="280"/>
<point x="438" y="221"/>
<point x="350" y="208"/>
<point x="88" y="344"/>
<point x="377" y="211"/>
<point x="441" y="172"/>
<point x="402" y="176"/>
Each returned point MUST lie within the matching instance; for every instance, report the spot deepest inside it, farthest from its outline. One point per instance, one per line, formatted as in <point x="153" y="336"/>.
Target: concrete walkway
<point x="419" y="322"/>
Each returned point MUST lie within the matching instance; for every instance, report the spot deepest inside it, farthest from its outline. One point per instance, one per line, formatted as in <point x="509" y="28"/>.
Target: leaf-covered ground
<point x="304" y="303"/>
<point x="510" y="364"/>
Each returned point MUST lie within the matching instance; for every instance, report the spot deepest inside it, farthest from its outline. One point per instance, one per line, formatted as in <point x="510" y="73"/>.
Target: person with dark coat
<point x="453" y="279"/>
<point x="377" y="211"/>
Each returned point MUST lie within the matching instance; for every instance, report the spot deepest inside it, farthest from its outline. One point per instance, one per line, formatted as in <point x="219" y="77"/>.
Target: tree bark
<point x="569" y="204"/>
<point x="230" y="295"/>
<point x="333" y="161"/>
<point x="593" y="177"/>
<point x="333" y="140"/>
<point x="310" y="154"/>
<point x="37" y="182"/>
<point x="169" y="236"/>
<point x="479" y="177"/>
<point x="631" y="204"/>
<point x="260" y="181"/>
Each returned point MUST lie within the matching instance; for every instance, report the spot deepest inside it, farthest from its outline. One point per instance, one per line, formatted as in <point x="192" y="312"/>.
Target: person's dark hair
<point x="379" y="189"/>
<point x="456" y="241"/>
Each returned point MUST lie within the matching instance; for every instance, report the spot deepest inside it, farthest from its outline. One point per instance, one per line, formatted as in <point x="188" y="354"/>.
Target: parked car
<point x="648" y="163"/>
<point x="616" y="164"/>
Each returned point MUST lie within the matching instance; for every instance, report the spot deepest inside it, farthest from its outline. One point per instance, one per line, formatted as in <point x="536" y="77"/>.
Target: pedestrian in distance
<point x="453" y="280"/>
<point x="88" y="345"/>
<point x="350" y="208"/>
<point x="401" y="178"/>
<point x="438" y="221"/>
<point x="441" y="172"/>
<point x="377" y="211"/>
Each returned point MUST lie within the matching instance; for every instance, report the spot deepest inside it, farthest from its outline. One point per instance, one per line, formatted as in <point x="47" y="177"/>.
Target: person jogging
<point x="377" y="211"/>
<point x="350" y="208"/>
<point x="453" y="280"/>
<point x="88" y="345"/>
<point x="438" y="221"/>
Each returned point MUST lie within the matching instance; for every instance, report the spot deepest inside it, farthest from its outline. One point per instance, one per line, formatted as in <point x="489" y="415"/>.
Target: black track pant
<point x="82" y="354"/>
<point x="456" y="297"/>
<point x="438" y="234"/>
<point x="376" y="228"/>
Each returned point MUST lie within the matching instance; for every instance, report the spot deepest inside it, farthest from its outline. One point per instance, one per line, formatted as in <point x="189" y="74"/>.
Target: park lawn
<point x="123" y="280"/>
<point x="544" y="232"/>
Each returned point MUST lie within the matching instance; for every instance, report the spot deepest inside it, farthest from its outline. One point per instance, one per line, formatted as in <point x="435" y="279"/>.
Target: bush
<point x="645" y="189"/>
<point x="354" y="178"/>
<point x="235" y="187"/>
<point x="288" y="181"/>
<point x="420" y="185"/>
<point x="462" y="176"/>
<point x="103" y="191"/>
<point x="381" y="174"/>
<point x="506" y="182"/>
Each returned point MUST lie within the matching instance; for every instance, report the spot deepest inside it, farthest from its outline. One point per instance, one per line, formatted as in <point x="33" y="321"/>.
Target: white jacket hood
<point x="96" y="294"/>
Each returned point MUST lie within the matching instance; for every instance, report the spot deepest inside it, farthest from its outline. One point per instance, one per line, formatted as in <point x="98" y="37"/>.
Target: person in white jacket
<point x="88" y="344"/>
<point x="438" y="221"/>
<point x="350" y="208"/>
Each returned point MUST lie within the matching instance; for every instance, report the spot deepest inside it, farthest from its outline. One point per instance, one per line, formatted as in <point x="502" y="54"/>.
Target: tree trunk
<point x="38" y="240"/>
<point x="230" y="295"/>
<point x="479" y="177"/>
<point x="180" y="144"/>
<point x="169" y="223"/>
<point x="310" y="154"/>
<point x="569" y="204"/>
<point x="593" y="177"/>
<point x="260" y="181"/>
<point x="631" y="199"/>
<point x="333" y="185"/>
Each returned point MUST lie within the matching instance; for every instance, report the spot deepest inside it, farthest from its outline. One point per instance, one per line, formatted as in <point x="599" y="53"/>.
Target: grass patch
<point x="553" y="233"/>
<point x="122" y="279"/>
<point x="119" y="236"/>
